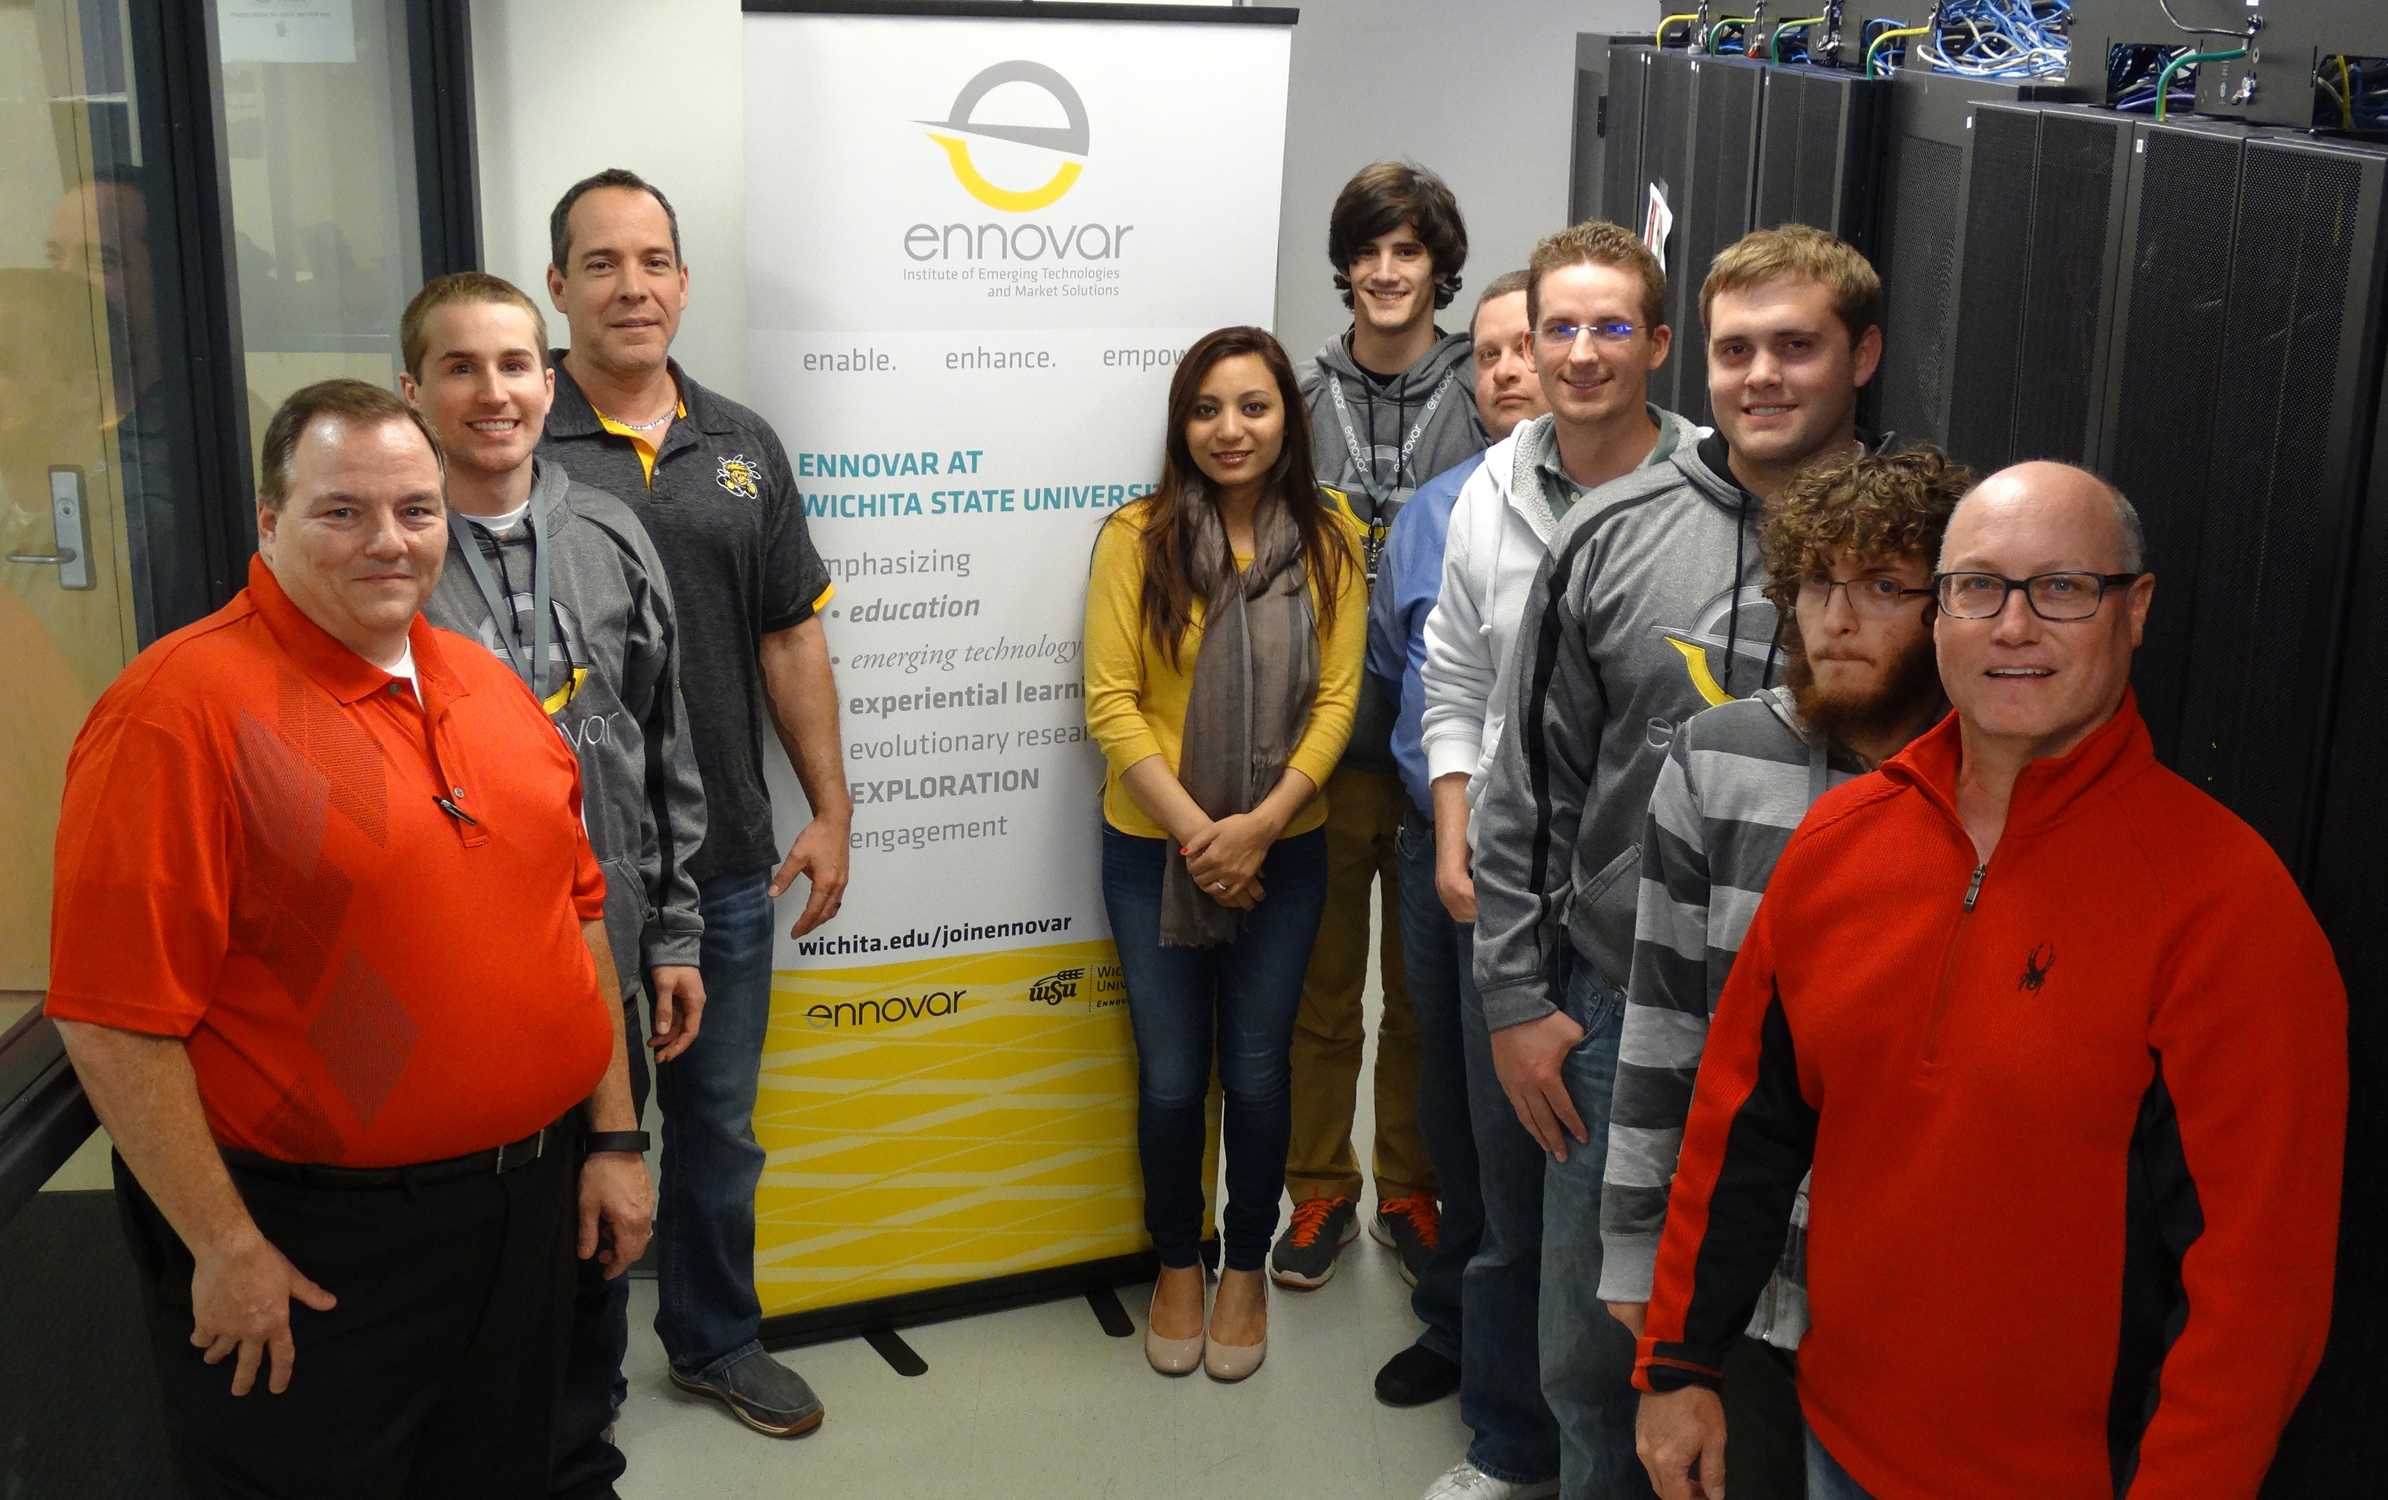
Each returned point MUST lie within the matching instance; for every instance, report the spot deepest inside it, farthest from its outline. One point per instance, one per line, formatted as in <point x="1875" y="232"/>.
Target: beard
<point x="1898" y="700"/>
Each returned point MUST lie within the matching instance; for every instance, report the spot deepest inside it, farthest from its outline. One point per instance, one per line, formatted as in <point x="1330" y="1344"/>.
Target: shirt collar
<point x="573" y="416"/>
<point x="1555" y="478"/>
<point x="339" y="671"/>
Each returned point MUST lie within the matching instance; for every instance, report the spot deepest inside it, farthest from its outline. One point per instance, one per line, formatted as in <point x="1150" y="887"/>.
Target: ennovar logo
<point x="1030" y="242"/>
<point x="1069" y="140"/>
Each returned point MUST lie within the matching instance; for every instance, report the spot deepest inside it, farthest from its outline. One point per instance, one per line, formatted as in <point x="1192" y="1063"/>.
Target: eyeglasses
<point x="1869" y="598"/>
<point x="2052" y="596"/>
<point x="1557" y="335"/>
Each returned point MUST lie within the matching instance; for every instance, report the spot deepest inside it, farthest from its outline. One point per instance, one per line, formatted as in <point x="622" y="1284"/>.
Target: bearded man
<point x="1848" y="549"/>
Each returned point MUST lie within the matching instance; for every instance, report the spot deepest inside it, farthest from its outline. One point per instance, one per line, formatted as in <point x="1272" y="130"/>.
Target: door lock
<point x="73" y="557"/>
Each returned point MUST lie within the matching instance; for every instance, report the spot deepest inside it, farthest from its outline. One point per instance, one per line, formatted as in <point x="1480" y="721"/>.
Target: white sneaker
<point x="1467" y="1482"/>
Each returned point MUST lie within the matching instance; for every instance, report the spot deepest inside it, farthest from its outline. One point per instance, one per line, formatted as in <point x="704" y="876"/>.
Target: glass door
<point x="89" y="522"/>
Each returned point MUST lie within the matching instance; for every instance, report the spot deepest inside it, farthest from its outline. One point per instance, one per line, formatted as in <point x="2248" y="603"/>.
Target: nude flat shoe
<point x="1229" y="1363"/>
<point x="1170" y="1356"/>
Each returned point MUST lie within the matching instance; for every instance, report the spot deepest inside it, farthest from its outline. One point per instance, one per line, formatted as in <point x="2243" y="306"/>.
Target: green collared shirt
<point x="1561" y="490"/>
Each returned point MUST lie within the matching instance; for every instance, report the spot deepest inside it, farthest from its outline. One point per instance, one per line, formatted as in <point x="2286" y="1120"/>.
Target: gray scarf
<point x="1255" y="677"/>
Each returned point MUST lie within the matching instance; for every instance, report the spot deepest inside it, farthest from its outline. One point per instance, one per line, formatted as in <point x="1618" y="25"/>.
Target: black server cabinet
<point x="1820" y="152"/>
<point x="1608" y="121"/>
<point x="2180" y="208"/>
<point x="2300" y="357"/>
<point x="1700" y="146"/>
<point x="1623" y="126"/>
<point x="2043" y="238"/>
<point x="1919" y="245"/>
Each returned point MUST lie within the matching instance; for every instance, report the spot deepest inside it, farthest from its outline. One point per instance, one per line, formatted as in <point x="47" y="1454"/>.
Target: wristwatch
<point x="633" y="1141"/>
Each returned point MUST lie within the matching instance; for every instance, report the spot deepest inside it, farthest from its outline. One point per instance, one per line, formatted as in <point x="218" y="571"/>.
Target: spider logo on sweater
<point x="2035" y="969"/>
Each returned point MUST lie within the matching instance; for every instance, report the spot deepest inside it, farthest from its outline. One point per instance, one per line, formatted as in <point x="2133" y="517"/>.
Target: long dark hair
<point x="1169" y="511"/>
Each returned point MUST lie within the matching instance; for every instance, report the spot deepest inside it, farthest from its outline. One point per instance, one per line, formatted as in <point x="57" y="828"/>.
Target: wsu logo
<point x="1066" y="140"/>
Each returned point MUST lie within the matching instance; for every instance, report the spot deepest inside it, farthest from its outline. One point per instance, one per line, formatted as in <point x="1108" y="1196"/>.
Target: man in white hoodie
<point x="1598" y="280"/>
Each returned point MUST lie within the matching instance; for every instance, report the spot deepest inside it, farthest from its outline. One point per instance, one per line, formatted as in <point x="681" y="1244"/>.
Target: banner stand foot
<point x="1109" y="1313"/>
<point x="900" y="1356"/>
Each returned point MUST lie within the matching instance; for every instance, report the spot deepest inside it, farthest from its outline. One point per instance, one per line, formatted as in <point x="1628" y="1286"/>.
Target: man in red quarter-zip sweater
<point x="2067" y="1055"/>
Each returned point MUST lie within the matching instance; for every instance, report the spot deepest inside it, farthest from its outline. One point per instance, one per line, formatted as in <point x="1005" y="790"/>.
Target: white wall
<point x="564" y="88"/>
<point x="1479" y="90"/>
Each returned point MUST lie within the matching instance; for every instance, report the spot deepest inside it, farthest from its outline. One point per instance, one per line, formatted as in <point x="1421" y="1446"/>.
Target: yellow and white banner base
<point x="976" y="246"/>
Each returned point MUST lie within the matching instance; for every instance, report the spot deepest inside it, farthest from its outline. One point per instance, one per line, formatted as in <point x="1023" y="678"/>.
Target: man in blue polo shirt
<point x="1498" y="1380"/>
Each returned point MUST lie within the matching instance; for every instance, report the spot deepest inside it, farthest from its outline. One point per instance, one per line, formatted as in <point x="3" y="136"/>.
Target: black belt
<point x="560" y="1137"/>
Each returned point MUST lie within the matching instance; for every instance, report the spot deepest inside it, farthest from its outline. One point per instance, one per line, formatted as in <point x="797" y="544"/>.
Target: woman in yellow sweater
<point x="1225" y="623"/>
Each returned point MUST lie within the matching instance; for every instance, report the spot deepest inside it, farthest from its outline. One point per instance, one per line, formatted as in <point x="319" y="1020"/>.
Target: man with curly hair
<point x="1848" y="549"/>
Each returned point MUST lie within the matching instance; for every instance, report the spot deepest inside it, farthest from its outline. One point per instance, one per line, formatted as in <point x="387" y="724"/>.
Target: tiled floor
<point x="1038" y="1404"/>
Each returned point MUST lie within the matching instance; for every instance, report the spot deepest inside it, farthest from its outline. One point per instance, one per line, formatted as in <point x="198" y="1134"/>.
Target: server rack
<point x="2043" y="233"/>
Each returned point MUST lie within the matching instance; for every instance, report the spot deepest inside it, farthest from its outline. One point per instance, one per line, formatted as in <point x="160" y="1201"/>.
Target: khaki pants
<point x="1364" y="810"/>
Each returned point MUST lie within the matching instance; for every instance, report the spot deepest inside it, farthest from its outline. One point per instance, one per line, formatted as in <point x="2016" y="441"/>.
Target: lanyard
<point x="501" y="613"/>
<point x="1363" y="460"/>
<point x="1818" y="773"/>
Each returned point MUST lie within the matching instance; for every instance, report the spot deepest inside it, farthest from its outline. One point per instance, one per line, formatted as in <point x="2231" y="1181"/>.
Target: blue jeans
<point x="1827" y="1480"/>
<point x="1587" y="1356"/>
<point x="706" y="1312"/>
<point x="1430" y="951"/>
<point x="1237" y="1000"/>
<point x="1500" y="1383"/>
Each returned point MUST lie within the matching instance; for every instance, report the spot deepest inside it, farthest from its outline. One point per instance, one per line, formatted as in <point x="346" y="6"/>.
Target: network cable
<point x="1999" y="38"/>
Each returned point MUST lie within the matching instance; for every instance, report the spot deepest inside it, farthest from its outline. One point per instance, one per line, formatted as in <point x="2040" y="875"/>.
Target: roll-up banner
<point x="977" y="243"/>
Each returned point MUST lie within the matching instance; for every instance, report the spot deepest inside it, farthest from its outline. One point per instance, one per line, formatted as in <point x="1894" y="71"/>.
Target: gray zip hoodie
<point x="1640" y="619"/>
<point x="611" y="684"/>
<point x="1382" y="418"/>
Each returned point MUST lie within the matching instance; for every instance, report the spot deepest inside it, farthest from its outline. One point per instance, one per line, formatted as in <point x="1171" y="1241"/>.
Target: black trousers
<point x="1766" y="1453"/>
<point x="587" y="1462"/>
<point x="438" y="1375"/>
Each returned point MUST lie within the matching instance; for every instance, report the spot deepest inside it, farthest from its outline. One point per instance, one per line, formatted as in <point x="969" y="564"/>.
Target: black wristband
<point x="634" y="1141"/>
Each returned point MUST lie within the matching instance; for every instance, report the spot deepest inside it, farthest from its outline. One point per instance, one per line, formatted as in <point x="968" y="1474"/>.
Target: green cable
<point x="1774" y="43"/>
<point x="2186" y="59"/>
<point x="1886" y="36"/>
<point x="1721" y="23"/>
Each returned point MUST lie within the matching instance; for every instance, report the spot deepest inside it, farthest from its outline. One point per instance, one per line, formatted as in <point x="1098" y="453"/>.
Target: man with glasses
<point x="1849" y="549"/>
<point x="2066" y="1053"/>
<point x="1651" y="608"/>
<point x="1599" y="278"/>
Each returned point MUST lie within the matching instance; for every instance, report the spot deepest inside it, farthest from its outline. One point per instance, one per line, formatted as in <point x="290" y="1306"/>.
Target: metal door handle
<point x="72" y="559"/>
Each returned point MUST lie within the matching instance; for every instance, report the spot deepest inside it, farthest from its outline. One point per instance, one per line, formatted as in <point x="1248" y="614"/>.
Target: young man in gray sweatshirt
<point x="1849" y="549"/>
<point x="1651" y="609"/>
<point x="1390" y="406"/>
<point x="560" y="582"/>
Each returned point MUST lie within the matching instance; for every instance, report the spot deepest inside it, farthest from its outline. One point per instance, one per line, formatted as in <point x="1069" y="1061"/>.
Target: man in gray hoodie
<point x="560" y="581"/>
<point x="1651" y="608"/>
<point x="1390" y="406"/>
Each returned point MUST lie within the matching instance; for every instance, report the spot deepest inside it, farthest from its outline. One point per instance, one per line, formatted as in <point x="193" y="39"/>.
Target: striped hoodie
<point x="1736" y="782"/>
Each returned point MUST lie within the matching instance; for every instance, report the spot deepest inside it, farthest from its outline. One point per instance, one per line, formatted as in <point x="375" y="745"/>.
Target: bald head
<point x="2068" y="505"/>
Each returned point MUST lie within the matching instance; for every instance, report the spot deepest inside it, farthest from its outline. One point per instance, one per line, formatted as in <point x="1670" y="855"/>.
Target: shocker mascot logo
<point x="1716" y="629"/>
<point x="1066" y="140"/>
<point x="737" y="475"/>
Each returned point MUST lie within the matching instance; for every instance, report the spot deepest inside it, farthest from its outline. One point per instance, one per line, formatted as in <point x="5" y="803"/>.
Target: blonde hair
<point x="1596" y="242"/>
<point x="466" y="287"/>
<point x="1797" y="250"/>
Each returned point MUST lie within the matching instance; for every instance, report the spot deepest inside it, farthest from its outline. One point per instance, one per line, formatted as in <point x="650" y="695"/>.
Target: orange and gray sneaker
<point x="1305" y="1254"/>
<point x="1409" y="1227"/>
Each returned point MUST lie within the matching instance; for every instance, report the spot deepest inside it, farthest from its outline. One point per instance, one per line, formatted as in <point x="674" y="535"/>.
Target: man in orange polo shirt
<point x="329" y="955"/>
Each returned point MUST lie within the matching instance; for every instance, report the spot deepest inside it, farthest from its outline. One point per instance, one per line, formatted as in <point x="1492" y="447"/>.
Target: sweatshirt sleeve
<point x="1343" y="642"/>
<point x="2236" y="1161"/>
<point x="1533" y="801"/>
<point x="1665" y="1030"/>
<point x="674" y="930"/>
<point x="1459" y="670"/>
<point x="1749" y="1141"/>
<point x="1114" y="648"/>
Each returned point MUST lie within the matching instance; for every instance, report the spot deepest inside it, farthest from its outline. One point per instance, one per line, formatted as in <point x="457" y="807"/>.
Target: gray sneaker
<point x="761" y="1392"/>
